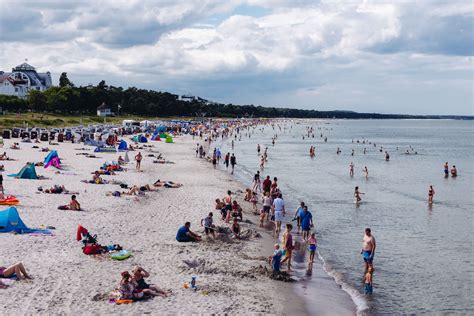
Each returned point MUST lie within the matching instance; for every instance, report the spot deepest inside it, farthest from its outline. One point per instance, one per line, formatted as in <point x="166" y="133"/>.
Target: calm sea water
<point x="424" y="257"/>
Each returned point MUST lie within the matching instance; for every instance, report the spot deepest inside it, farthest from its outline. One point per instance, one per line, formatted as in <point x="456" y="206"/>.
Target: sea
<point x="424" y="257"/>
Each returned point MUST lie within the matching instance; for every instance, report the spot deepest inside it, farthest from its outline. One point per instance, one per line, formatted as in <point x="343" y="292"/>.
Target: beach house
<point x="104" y="110"/>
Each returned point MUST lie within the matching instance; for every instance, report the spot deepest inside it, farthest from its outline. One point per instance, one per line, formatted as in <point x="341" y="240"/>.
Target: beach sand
<point x="66" y="281"/>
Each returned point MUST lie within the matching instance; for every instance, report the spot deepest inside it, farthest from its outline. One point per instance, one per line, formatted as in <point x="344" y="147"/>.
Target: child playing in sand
<point x="127" y="288"/>
<point x="209" y="227"/>
<point x="368" y="281"/>
<point x="275" y="259"/>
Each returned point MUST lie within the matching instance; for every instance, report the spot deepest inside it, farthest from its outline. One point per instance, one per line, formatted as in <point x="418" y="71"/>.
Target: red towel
<point x="80" y="231"/>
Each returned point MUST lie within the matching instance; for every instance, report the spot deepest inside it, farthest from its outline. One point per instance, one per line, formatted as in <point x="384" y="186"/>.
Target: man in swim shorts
<point x="184" y="234"/>
<point x="368" y="248"/>
<point x="278" y="212"/>
<point x="306" y="222"/>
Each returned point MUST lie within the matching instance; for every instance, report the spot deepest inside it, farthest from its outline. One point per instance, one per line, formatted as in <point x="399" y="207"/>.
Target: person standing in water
<point x="306" y="222"/>
<point x="298" y="214"/>
<point x="256" y="182"/>
<point x="446" y="170"/>
<point x="454" y="171"/>
<point x="431" y="193"/>
<point x="258" y="149"/>
<point x="366" y="172"/>
<point x="351" y="169"/>
<point x="387" y="156"/>
<point x="287" y="242"/>
<point x="357" y="195"/>
<point x="233" y="162"/>
<point x="278" y="213"/>
<point x="368" y="248"/>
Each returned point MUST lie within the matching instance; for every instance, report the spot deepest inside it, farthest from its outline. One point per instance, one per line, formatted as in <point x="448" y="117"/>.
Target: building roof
<point x="103" y="106"/>
<point x="23" y="67"/>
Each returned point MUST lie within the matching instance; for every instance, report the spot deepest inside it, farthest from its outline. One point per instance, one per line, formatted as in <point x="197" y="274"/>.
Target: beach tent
<point x="27" y="172"/>
<point x="156" y="137"/>
<point x="169" y="139"/>
<point x="143" y="139"/>
<point x="163" y="135"/>
<point x="123" y="146"/>
<point x="10" y="221"/>
<point x="52" y="159"/>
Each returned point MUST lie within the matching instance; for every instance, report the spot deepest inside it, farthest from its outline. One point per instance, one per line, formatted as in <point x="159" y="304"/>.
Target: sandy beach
<point x="66" y="281"/>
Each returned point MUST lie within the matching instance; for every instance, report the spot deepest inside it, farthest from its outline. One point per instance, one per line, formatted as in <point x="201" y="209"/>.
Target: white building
<point x="104" y="110"/>
<point x="22" y="79"/>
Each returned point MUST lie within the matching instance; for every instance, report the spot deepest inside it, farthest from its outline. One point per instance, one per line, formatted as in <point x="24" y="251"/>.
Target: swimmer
<point x="387" y="156"/>
<point x="366" y="172"/>
<point x="351" y="169"/>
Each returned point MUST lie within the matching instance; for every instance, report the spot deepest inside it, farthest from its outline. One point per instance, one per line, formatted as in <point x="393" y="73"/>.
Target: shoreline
<point x="296" y="294"/>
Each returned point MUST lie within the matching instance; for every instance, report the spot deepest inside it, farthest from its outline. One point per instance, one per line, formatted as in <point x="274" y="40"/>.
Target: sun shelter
<point x="123" y="146"/>
<point x="11" y="222"/>
<point x="52" y="159"/>
<point x="27" y="172"/>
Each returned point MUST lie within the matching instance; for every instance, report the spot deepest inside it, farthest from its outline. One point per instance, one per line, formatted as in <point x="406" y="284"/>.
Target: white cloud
<point x="295" y="45"/>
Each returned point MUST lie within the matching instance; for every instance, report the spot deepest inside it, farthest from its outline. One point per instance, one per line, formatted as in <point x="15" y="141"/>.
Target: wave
<point x="359" y="300"/>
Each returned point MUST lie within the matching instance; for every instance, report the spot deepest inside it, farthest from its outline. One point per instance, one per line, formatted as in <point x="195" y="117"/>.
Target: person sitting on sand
<point x="167" y="184"/>
<point x="121" y="161"/>
<point x="138" y="278"/>
<point x="96" y="178"/>
<point x="235" y="228"/>
<point x="209" y="227"/>
<point x="236" y="210"/>
<point x="18" y="269"/>
<point x="15" y="146"/>
<point x="74" y="204"/>
<point x="248" y="195"/>
<point x="184" y="234"/>
<point x="127" y="288"/>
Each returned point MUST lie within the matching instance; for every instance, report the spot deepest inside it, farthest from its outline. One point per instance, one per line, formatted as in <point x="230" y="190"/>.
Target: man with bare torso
<point x="368" y="248"/>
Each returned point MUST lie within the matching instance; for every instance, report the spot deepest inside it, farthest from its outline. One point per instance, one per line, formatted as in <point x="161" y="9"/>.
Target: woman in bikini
<point x="18" y="269"/>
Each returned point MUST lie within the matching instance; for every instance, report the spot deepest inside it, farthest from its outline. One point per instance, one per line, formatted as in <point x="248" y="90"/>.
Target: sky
<point x="413" y="57"/>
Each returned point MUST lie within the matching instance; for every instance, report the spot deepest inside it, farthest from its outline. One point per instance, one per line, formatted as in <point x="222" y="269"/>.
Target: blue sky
<point x="367" y="56"/>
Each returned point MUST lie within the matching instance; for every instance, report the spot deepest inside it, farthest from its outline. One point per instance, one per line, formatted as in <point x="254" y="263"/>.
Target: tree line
<point x="71" y="100"/>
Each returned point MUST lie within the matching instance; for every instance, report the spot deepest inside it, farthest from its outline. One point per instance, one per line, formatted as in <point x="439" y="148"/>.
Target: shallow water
<point x="423" y="261"/>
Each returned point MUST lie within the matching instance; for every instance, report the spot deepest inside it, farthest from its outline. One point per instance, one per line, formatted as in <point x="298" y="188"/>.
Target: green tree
<point x="36" y="100"/>
<point x="64" y="80"/>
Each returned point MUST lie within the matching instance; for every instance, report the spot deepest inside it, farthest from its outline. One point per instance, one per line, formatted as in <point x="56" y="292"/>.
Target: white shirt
<point x="278" y="204"/>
